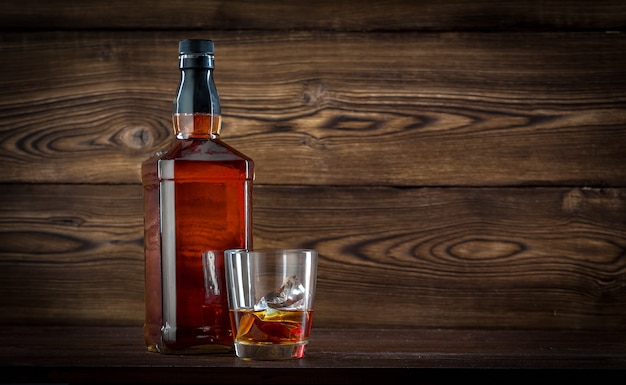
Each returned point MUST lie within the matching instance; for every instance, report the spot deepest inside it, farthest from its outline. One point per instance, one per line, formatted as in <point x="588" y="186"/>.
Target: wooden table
<point x="117" y="355"/>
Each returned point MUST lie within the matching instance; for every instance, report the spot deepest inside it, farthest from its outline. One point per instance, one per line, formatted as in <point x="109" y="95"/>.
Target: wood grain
<point x="530" y="258"/>
<point x="284" y="15"/>
<point x="71" y="253"/>
<point x="412" y="109"/>
<point x="461" y="163"/>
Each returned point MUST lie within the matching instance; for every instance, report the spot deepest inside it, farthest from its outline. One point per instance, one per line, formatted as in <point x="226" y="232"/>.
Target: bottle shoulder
<point x="202" y="160"/>
<point x="200" y="150"/>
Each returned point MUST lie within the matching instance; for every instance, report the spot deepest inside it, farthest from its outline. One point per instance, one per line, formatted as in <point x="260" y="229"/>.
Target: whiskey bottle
<point x="197" y="203"/>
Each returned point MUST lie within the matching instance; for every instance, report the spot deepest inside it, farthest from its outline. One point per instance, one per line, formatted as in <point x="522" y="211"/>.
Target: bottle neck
<point x="197" y="125"/>
<point x="197" y="110"/>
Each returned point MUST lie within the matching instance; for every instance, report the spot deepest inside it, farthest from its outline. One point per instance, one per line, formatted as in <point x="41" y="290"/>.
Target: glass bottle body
<point x="197" y="203"/>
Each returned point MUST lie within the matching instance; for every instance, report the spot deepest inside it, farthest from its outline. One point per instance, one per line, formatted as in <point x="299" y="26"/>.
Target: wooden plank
<point x="362" y="15"/>
<point x="510" y="258"/>
<point x="71" y="254"/>
<point x="413" y="109"/>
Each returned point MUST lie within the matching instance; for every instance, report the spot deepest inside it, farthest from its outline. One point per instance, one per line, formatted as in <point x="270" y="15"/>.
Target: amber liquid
<point x="272" y="326"/>
<point x="197" y="198"/>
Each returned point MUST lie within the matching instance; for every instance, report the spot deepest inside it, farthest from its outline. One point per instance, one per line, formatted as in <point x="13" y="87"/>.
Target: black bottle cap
<point x="195" y="46"/>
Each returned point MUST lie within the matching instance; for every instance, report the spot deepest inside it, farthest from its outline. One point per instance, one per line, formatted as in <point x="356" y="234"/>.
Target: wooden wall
<point x="458" y="164"/>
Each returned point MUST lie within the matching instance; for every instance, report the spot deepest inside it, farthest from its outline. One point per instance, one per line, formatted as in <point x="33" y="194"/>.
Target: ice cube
<point x="289" y="296"/>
